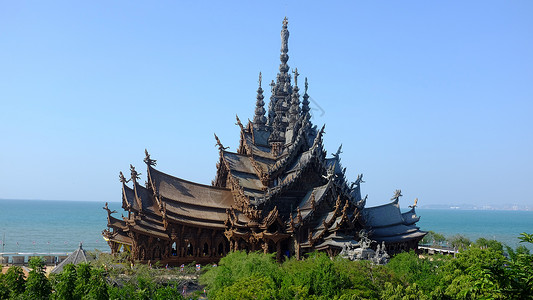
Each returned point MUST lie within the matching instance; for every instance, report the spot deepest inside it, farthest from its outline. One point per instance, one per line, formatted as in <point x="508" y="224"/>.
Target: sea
<point x="58" y="227"/>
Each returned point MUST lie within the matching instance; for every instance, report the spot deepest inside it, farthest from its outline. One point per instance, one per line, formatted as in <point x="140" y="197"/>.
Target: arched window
<point x="220" y="249"/>
<point x="205" y="252"/>
<point x="190" y="250"/>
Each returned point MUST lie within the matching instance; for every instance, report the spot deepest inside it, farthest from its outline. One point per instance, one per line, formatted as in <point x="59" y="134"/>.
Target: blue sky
<point x="434" y="98"/>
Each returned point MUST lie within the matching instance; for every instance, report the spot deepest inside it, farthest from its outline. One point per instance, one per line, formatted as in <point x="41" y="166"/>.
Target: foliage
<point x="460" y="241"/>
<point x="433" y="238"/>
<point x="12" y="283"/>
<point x="426" y="272"/>
<point x="37" y="284"/>
<point x="479" y="271"/>
<point x="258" y="276"/>
<point x="238" y="266"/>
<point x="492" y="244"/>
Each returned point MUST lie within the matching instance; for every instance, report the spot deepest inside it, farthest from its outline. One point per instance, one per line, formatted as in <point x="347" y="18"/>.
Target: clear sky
<point x="431" y="97"/>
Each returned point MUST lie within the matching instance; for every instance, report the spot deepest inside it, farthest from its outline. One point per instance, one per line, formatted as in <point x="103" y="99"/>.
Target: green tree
<point x="255" y="287"/>
<point x="235" y="266"/>
<point x="427" y="272"/>
<point x="471" y="274"/>
<point x="492" y="244"/>
<point x="37" y="285"/>
<point x="433" y="238"/>
<point x="97" y="287"/>
<point x="14" y="282"/>
<point x="459" y="241"/>
<point x="64" y="283"/>
<point x="518" y="281"/>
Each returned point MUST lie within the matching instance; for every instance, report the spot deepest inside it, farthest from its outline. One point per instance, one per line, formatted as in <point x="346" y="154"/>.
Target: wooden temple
<point x="279" y="192"/>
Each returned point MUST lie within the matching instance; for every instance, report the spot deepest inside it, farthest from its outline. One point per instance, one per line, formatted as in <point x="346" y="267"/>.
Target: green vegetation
<point x="482" y="270"/>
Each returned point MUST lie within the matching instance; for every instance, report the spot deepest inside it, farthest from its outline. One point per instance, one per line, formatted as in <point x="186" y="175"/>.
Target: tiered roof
<point x="279" y="175"/>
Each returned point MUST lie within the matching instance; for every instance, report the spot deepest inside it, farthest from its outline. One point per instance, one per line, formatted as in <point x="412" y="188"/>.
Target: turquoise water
<point x="33" y="226"/>
<point x="59" y="226"/>
<point x="502" y="225"/>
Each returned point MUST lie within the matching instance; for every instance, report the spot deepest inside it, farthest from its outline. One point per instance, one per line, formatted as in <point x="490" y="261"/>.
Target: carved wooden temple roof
<point x="279" y="185"/>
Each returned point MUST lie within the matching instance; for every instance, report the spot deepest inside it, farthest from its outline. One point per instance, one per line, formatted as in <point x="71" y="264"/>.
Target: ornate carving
<point x="219" y="144"/>
<point x="397" y="195"/>
<point x="122" y="178"/>
<point x="109" y="212"/>
<point x="414" y="204"/>
<point x="148" y="160"/>
<point x="134" y="174"/>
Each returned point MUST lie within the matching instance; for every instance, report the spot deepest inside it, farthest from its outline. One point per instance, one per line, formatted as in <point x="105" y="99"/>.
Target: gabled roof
<point x="143" y="194"/>
<point x="384" y="215"/>
<point x="192" y="203"/>
<point x="77" y="257"/>
<point x="388" y="224"/>
<point x="183" y="191"/>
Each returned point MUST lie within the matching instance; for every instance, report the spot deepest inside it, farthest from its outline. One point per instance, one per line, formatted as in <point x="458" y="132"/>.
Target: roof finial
<point x="259" y="118"/>
<point x="219" y="144"/>
<point x="148" y="160"/>
<point x="305" y="102"/>
<point x="134" y="174"/>
<point x="122" y="178"/>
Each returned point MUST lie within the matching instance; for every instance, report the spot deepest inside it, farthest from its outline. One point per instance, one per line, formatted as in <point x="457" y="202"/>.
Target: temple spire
<point x="294" y="110"/>
<point x="284" y="80"/>
<point x="271" y="104"/>
<point x="305" y="102"/>
<point x="259" y="118"/>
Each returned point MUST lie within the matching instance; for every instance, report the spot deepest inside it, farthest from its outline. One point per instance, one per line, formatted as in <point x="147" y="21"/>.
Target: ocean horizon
<point x="58" y="226"/>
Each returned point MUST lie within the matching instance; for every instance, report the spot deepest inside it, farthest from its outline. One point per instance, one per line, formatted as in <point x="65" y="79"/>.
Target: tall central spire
<point x="281" y="92"/>
<point x="284" y="80"/>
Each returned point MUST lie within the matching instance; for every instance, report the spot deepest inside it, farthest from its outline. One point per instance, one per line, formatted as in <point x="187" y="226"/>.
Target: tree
<point x="427" y="273"/>
<point x="433" y="238"/>
<point x="459" y="241"/>
<point x="64" y="283"/>
<point x="37" y="285"/>
<point x="485" y="243"/>
<point x="14" y="281"/>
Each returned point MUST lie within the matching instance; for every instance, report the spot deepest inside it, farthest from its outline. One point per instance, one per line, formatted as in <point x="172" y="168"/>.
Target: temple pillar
<point x="278" y="251"/>
<point x="297" y="249"/>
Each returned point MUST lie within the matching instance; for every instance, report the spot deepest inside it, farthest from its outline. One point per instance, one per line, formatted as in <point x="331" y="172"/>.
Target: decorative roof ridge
<point x="187" y="181"/>
<point x="258" y="170"/>
<point x="191" y="205"/>
<point x="125" y="204"/>
<point x="241" y="199"/>
<point x="271" y="192"/>
<point x="292" y="151"/>
<point x="392" y="203"/>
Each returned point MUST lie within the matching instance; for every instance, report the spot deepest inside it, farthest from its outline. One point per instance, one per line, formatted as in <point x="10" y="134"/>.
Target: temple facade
<point x="278" y="193"/>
